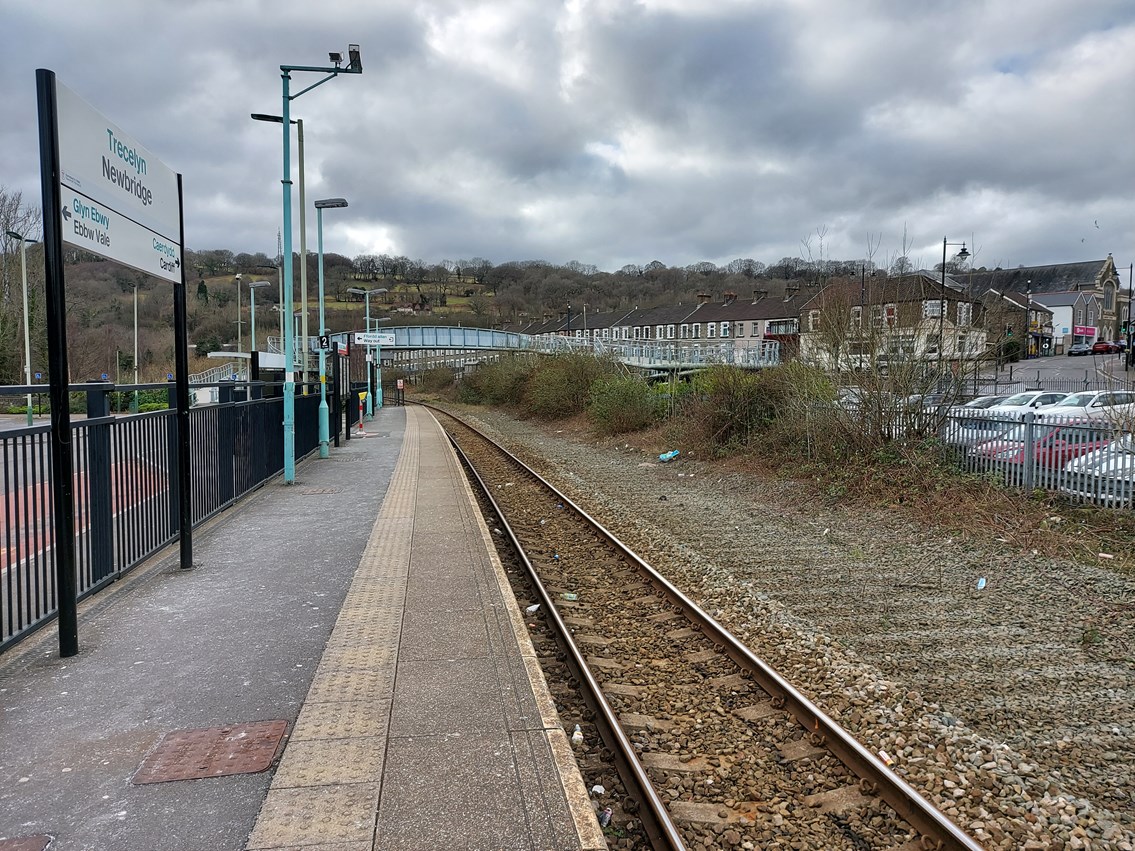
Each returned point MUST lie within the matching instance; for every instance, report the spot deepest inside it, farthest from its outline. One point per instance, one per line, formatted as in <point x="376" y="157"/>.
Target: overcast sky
<point x="613" y="131"/>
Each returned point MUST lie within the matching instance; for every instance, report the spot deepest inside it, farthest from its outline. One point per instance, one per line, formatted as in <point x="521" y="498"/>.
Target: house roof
<point x="882" y="290"/>
<point x="1059" y="277"/>
<point x="1062" y="299"/>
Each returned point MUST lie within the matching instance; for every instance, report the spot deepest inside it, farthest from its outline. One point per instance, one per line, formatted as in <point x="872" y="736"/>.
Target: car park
<point x="1113" y="405"/>
<point x="1079" y="349"/>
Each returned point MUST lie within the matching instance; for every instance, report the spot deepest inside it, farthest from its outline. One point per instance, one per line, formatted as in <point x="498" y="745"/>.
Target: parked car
<point x="1112" y="405"/>
<point x="1106" y="476"/>
<point x="965" y="431"/>
<point x="1104" y="347"/>
<point x="985" y="401"/>
<point x="1052" y="446"/>
<point x="1079" y="349"/>
<point x="1031" y="400"/>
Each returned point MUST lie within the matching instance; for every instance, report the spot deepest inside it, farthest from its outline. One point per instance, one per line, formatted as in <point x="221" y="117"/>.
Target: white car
<point x="1112" y="405"/>
<point x="1106" y="476"/>
<point x="1020" y="404"/>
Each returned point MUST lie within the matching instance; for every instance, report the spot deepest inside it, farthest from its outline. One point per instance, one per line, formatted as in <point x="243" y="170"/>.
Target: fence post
<point x="226" y="443"/>
<point x="100" y="505"/>
<point x="1029" y="450"/>
<point x="174" y="473"/>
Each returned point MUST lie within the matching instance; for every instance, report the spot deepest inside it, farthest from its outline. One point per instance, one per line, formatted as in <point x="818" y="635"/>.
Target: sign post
<point x="104" y="193"/>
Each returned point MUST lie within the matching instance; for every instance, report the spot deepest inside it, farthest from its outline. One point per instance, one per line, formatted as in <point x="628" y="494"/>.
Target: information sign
<point x="119" y="200"/>
<point x="374" y="338"/>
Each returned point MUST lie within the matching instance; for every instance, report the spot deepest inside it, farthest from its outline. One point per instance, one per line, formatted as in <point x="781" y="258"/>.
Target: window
<point x="931" y="308"/>
<point x="710" y="330"/>
<point x="876" y="316"/>
<point x="856" y="318"/>
<point x="813" y="320"/>
<point x="756" y="329"/>
<point x="637" y="332"/>
<point x="1079" y="316"/>
<point x="965" y="313"/>
<point x="606" y="333"/>
<point x="724" y="329"/>
<point x="659" y="331"/>
<point x="669" y="332"/>
<point x="1108" y="297"/>
<point x="683" y="331"/>
<point x="697" y="330"/>
<point x="890" y="312"/>
<point x="739" y="329"/>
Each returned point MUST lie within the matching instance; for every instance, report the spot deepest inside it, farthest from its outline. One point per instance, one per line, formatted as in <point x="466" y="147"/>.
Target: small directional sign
<point x="325" y="342"/>
<point x="104" y="376"/>
<point x="374" y="338"/>
<point x="169" y="376"/>
<point x="39" y="376"/>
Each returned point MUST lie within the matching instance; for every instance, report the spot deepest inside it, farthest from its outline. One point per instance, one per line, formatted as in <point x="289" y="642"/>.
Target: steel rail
<point x="875" y="776"/>
<point x="655" y="818"/>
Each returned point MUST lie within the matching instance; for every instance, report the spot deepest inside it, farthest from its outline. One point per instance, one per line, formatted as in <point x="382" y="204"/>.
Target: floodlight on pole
<point x="355" y="67"/>
<point x="27" y="339"/>
<point x="324" y="415"/>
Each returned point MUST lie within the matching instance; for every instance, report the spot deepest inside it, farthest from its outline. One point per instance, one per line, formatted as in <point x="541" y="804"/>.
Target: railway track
<point x="713" y="749"/>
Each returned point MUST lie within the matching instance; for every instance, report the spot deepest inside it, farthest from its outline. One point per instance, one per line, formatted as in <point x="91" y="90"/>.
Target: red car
<point x="1104" y="347"/>
<point x="1053" y="445"/>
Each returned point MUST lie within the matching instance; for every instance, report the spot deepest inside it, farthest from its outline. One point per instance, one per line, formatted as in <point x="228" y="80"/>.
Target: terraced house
<point x="860" y="323"/>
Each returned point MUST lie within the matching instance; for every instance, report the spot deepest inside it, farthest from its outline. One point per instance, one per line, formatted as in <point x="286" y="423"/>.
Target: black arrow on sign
<point x="66" y="213"/>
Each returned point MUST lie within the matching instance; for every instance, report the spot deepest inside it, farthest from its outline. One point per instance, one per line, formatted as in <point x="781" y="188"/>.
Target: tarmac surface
<point x="363" y="611"/>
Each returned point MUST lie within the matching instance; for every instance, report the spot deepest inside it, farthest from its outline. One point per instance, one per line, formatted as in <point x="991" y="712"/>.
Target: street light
<point x="355" y="66"/>
<point x="324" y="417"/>
<point x="253" y="286"/>
<point x="27" y="339"/>
<point x="238" y="277"/>
<point x="259" y="116"/>
<point x="962" y="255"/>
<point x="1028" y="323"/>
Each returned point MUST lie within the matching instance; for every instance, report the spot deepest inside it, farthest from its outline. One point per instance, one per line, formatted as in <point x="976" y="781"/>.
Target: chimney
<point x="730" y="297"/>
<point x="703" y="298"/>
<point x="758" y="295"/>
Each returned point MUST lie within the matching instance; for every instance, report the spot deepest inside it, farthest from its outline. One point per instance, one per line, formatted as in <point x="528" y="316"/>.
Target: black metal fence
<point x="125" y="486"/>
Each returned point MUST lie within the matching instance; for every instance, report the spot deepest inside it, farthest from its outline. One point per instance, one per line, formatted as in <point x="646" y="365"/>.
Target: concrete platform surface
<point x="416" y="715"/>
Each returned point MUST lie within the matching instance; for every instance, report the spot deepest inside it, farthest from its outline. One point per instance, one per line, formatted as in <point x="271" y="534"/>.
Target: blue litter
<point x="668" y="456"/>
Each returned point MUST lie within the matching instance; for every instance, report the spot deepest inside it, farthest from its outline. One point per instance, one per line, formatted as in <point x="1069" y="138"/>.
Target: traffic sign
<point x="374" y="338"/>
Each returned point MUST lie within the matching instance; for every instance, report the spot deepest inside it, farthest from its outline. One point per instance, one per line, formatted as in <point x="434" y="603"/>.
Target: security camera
<point x="336" y="58"/>
<point x="356" y="60"/>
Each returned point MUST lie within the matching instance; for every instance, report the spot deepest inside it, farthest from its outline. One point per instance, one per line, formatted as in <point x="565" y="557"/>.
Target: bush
<point x="559" y="388"/>
<point x="501" y="382"/>
<point x="619" y="404"/>
<point x="436" y="380"/>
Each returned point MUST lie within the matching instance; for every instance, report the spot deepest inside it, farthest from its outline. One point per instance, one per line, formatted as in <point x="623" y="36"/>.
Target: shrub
<point x="501" y="382"/>
<point x="436" y="380"/>
<point x="559" y="388"/>
<point x="619" y="404"/>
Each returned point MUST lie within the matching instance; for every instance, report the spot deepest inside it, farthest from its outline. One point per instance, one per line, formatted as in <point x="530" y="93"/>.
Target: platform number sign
<point x="325" y="342"/>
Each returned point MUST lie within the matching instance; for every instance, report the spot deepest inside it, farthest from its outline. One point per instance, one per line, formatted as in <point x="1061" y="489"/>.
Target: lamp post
<point x="134" y="401"/>
<point x="259" y="116"/>
<point x="962" y="255"/>
<point x="354" y="66"/>
<point x="253" y="286"/>
<point x="238" y="317"/>
<point x="370" y="351"/>
<point x="1028" y="320"/>
<point x="27" y="339"/>
<point x="324" y="416"/>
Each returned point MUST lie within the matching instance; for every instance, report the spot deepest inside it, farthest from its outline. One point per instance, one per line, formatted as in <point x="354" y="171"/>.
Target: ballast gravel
<point x="998" y="683"/>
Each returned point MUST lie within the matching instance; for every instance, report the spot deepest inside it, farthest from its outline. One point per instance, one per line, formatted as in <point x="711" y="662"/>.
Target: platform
<point x="344" y="668"/>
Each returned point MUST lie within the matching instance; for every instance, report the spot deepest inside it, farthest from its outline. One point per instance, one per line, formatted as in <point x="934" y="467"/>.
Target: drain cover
<point x="212" y="752"/>
<point x="25" y="843"/>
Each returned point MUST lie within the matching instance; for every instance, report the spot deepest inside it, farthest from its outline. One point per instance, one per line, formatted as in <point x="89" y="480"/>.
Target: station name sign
<point x="119" y="200"/>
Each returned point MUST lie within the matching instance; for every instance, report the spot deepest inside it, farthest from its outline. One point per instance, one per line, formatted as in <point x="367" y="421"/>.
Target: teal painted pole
<point x="324" y="413"/>
<point x="370" y="367"/>
<point x="289" y="365"/>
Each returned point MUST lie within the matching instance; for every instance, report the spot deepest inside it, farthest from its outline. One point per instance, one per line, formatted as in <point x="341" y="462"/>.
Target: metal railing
<point x="125" y="486"/>
<point x="1087" y="458"/>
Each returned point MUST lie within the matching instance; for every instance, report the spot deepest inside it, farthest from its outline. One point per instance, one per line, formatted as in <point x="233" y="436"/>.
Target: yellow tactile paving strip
<point x="326" y="790"/>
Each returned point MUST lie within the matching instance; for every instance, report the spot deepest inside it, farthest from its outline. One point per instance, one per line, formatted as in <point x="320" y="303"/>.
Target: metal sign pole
<point x="62" y="484"/>
<point x="181" y="357"/>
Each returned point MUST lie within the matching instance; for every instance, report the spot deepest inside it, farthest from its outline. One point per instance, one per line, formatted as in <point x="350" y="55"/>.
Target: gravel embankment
<point x="1011" y="707"/>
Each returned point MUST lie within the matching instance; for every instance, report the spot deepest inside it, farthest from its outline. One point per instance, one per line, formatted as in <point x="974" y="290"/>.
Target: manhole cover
<point x="213" y="752"/>
<point x="25" y="843"/>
